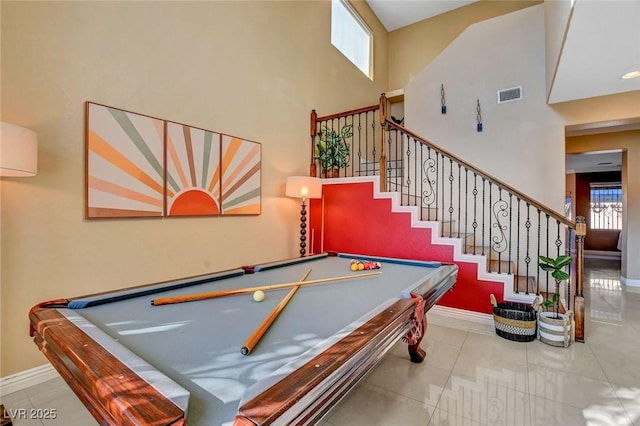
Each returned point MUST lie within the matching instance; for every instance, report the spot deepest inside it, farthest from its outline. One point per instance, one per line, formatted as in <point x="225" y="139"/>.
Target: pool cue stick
<point x="253" y="340"/>
<point x="224" y="293"/>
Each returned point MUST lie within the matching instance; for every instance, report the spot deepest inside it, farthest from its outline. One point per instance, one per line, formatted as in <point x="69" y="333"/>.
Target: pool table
<point x="135" y="363"/>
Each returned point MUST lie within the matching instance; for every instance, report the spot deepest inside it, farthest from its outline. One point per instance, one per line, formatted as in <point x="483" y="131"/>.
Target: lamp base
<point x="303" y="230"/>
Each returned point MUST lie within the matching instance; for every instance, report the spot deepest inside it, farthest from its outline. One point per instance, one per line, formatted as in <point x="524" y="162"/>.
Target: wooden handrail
<point x="347" y="113"/>
<point x="313" y="131"/>
<point x="547" y="210"/>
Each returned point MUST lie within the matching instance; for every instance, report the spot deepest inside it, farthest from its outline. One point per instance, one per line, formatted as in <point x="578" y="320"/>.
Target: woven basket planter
<point x="556" y="331"/>
<point x="515" y="321"/>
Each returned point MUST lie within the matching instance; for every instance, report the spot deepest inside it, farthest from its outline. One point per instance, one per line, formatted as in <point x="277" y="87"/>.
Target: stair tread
<point x="500" y="266"/>
<point x="455" y="234"/>
<point x="525" y="284"/>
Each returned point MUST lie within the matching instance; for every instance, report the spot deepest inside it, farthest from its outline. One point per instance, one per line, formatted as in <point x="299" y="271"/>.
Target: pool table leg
<point x="416" y="353"/>
<point x="6" y="418"/>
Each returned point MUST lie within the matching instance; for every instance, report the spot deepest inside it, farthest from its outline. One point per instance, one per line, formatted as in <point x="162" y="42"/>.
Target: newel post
<point x="383" y="155"/>
<point x="581" y="232"/>
<point x="313" y="170"/>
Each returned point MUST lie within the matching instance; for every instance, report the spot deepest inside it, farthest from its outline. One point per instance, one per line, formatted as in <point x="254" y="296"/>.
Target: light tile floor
<point x="473" y="377"/>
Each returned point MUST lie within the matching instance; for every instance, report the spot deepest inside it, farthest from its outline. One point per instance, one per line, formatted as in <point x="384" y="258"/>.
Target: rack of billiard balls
<point x="364" y="265"/>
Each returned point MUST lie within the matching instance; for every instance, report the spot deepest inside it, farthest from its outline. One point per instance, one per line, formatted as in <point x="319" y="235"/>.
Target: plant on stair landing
<point x="333" y="150"/>
<point x="555" y="266"/>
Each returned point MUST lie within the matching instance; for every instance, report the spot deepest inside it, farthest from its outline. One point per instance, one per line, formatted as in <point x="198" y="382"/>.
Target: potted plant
<point x="333" y="150"/>
<point x="555" y="328"/>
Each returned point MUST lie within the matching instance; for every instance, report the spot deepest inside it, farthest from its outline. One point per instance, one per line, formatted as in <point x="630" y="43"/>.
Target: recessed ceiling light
<point x="632" y="74"/>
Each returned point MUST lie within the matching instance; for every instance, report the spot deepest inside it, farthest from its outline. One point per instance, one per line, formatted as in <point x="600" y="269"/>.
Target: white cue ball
<point x="258" y="296"/>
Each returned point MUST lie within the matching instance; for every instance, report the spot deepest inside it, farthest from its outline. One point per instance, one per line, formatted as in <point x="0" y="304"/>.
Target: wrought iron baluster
<point x="416" y="169"/>
<point x="366" y="170"/>
<point x="490" y="226"/>
<point x="484" y="180"/>
<point x="408" y="180"/>
<point x="451" y="210"/>
<point x="389" y="166"/>
<point x="558" y="243"/>
<point x="386" y="139"/>
<point x="374" y="127"/>
<point x="539" y="238"/>
<point x="499" y="243"/>
<point x="510" y="233"/>
<point x="518" y="239"/>
<point x="442" y="195"/>
<point x="527" y="224"/>
<point x="397" y="148"/>
<point x="351" y="159"/>
<point x="459" y="199"/>
<point x="421" y="184"/>
<point x="436" y="186"/>
<point x="428" y="195"/>
<point x="466" y="208"/>
<point x="547" y="254"/>
<point x="474" y="225"/>
<point x="568" y="235"/>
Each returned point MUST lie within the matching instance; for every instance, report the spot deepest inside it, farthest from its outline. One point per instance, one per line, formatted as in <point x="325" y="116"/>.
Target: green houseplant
<point x="549" y="322"/>
<point x="556" y="267"/>
<point x="332" y="149"/>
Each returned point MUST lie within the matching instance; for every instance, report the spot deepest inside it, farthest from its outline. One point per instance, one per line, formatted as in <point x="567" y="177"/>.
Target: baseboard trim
<point x="461" y="314"/>
<point x="629" y="282"/>
<point x="27" y="378"/>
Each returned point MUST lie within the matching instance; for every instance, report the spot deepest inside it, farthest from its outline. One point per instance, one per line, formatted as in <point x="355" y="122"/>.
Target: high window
<point x="351" y="36"/>
<point x="606" y="206"/>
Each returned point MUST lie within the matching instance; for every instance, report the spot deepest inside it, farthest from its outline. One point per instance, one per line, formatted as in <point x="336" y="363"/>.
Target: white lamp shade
<point x="18" y="151"/>
<point x="304" y="187"/>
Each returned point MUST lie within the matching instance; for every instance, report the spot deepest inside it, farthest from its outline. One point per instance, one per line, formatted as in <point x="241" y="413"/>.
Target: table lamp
<point x="303" y="187"/>
<point x="18" y="151"/>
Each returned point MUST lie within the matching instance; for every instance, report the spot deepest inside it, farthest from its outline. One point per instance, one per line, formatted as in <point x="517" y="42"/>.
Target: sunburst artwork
<point x="125" y="164"/>
<point x="193" y="171"/>
<point x="140" y="166"/>
<point x="240" y="176"/>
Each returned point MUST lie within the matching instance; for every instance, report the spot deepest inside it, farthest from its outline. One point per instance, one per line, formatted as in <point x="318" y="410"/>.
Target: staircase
<point x="487" y="221"/>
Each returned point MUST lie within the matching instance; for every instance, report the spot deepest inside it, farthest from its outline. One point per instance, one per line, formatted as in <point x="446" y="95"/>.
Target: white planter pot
<point x="555" y="331"/>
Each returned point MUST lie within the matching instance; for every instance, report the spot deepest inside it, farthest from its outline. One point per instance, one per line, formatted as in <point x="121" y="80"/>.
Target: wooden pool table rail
<point x="115" y="395"/>
<point x="325" y="379"/>
<point x="109" y="389"/>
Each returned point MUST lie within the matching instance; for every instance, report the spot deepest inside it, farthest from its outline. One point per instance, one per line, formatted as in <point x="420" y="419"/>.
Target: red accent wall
<point x="355" y="222"/>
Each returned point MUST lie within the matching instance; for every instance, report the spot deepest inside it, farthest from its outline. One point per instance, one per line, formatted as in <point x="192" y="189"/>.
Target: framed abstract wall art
<point x="124" y="164"/>
<point x="140" y="166"/>
<point x="241" y="191"/>
<point x="193" y="171"/>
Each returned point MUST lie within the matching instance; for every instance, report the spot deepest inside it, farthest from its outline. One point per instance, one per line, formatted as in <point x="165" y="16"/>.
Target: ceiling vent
<point x="510" y="95"/>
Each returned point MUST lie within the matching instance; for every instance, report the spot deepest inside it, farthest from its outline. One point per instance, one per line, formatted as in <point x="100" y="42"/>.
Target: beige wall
<point x="527" y="128"/>
<point x="556" y="23"/>
<point x="412" y="48"/>
<point x="629" y="141"/>
<point x="249" y="69"/>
